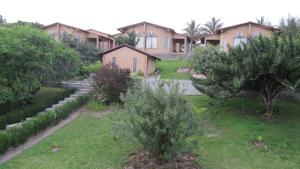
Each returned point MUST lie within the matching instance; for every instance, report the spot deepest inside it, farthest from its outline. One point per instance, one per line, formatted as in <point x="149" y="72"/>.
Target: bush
<point x="140" y="73"/>
<point x="95" y="106"/>
<point x="111" y="81"/>
<point x="90" y="68"/>
<point x="15" y="136"/>
<point x="29" y="58"/>
<point x="159" y="119"/>
<point x="24" y="111"/>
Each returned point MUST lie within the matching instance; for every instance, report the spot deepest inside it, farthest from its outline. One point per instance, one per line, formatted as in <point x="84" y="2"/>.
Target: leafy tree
<point x="88" y="52"/>
<point x="130" y="38"/>
<point x="110" y="82"/>
<point x="212" y="26"/>
<point x="2" y="20"/>
<point x="264" y="65"/>
<point x="290" y="26"/>
<point x="263" y="21"/>
<point x="160" y="119"/>
<point x="193" y="31"/>
<point x="27" y="58"/>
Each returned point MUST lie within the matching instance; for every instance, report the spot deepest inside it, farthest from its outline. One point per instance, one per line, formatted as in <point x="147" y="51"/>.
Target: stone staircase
<point x="82" y="88"/>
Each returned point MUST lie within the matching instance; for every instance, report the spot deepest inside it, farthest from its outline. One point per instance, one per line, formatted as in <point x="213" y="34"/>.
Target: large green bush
<point x="28" y="59"/>
<point x="263" y="65"/>
<point x="160" y="119"/>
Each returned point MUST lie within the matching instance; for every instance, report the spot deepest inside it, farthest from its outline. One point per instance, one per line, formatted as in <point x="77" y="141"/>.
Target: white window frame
<point x="152" y="45"/>
<point x="141" y="43"/>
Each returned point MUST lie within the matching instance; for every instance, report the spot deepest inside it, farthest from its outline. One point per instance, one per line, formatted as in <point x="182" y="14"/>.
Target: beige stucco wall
<point x="124" y="59"/>
<point x="151" y="65"/>
<point x="247" y="30"/>
<point x="159" y="33"/>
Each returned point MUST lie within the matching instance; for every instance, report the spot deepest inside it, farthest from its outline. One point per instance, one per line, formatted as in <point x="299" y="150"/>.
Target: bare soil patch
<point x="146" y="160"/>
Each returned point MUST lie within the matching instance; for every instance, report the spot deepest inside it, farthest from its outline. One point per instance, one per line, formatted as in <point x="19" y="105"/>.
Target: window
<point x="51" y="33"/>
<point x="134" y="65"/>
<point x="114" y="61"/>
<point x="151" y="42"/>
<point x="166" y="42"/>
<point x="239" y="40"/>
<point x="141" y="43"/>
<point x="255" y="34"/>
<point x="223" y="44"/>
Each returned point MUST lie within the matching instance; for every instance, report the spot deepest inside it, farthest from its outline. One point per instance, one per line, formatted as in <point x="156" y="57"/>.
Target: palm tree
<point x="2" y="20"/>
<point x="212" y="26"/>
<point x="193" y="31"/>
<point x="262" y="20"/>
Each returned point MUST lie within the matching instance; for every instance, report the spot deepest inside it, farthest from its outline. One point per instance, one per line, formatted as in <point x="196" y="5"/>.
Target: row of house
<point x="156" y="42"/>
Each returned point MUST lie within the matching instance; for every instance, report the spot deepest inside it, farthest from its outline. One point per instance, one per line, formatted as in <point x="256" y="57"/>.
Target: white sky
<point x="108" y="15"/>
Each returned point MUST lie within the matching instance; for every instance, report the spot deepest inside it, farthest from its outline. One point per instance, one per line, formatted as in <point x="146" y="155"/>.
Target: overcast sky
<point x="108" y="15"/>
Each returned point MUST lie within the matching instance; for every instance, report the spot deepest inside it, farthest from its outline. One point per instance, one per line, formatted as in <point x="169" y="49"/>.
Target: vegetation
<point x="95" y="106"/>
<point x="17" y="135"/>
<point x="193" y="31"/>
<point x="290" y="26"/>
<point x="262" y="20"/>
<point x="90" y="68"/>
<point x="225" y="141"/>
<point x="264" y="66"/>
<point x="43" y="99"/>
<point x="110" y="82"/>
<point x="161" y="125"/>
<point x="212" y="26"/>
<point x="168" y="69"/>
<point x="29" y="58"/>
<point x="2" y="19"/>
<point x="88" y="52"/>
<point x="130" y="38"/>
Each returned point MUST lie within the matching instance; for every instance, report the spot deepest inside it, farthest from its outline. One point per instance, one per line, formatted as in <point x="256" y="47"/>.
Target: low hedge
<point x="19" y="114"/>
<point x="17" y="135"/>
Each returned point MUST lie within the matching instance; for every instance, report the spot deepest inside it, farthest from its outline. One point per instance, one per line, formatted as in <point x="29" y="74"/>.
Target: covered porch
<point x="180" y="44"/>
<point x="211" y="39"/>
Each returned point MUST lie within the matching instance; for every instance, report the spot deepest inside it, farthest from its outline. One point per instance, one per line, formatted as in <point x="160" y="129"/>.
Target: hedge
<point x="17" y="135"/>
<point x="18" y="115"/>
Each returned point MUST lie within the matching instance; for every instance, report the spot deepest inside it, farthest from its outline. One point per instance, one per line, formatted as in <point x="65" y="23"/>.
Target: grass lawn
<point x="225" y="139"/>
<point x="168" y="69"/>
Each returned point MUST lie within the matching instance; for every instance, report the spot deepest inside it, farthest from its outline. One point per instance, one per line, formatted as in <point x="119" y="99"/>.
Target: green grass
<point x="168" y="69"/>
<point x="227" y="130"/>
<point x="86" y="143"/>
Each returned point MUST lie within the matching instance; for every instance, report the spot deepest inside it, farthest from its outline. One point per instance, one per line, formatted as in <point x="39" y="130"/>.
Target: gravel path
<point x="11" y="153"/>
<point x="185" y="86"/>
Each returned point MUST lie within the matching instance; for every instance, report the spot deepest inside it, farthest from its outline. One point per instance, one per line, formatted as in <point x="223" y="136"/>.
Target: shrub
<point x="159" y="119"/>
<point x="90" y="68"/>
<point x="17" y="135"/>
<point x="140" y="73"/>
<point x="111" y="81"/>
<point x="95" y="106"/>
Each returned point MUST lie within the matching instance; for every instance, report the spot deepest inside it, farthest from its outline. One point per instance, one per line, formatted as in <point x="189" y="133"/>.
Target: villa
<point x="99" y="39"/>
<point x="158" y="40"/>
<point x="237" y="34"/>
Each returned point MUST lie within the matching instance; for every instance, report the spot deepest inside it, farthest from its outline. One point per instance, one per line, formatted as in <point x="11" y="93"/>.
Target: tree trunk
<point x="268" y="107"/>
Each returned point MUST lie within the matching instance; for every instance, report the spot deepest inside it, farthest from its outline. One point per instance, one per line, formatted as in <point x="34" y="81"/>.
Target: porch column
<point x="97" y="42"/>
<point x="185" y="45"/>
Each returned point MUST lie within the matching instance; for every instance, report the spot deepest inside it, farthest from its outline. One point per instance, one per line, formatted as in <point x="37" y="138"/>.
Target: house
<point x="157" y="40"/>
<point x="99" y="39"/>
<point x="126" y="56"/>
<point x="237" y="34"/>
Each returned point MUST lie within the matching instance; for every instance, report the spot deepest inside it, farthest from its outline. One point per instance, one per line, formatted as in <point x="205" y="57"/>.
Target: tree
<point x="290" y="26"/>
<point x="88" y="52"/>
<point x="193" y="31"/>
<point x="163" y="123"/>
<point x="2" y="20"/>
<point x="29" y="58"/>
<point x="130" y="38"/>
<point x="212" y="26"/>
<point x="263" y="65"/>
<point x="263" y="21"/>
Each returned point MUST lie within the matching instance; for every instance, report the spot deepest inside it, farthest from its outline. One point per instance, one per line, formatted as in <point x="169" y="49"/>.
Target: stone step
<point x="56" y="106"/>
<point x="13" y="125"/>
<point x="70" y="99"/>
